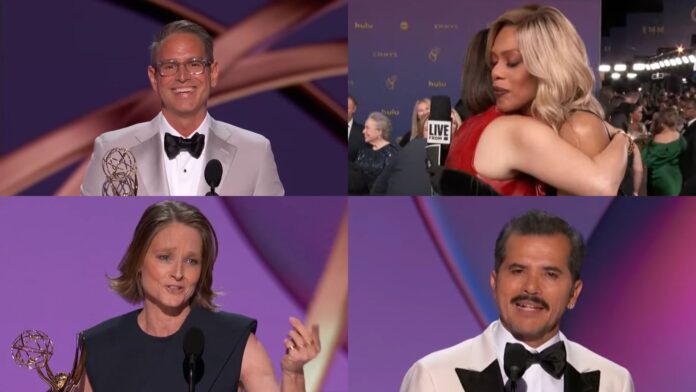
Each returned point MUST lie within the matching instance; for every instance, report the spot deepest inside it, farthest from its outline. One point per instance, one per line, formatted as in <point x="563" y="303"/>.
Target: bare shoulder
<point x="586" y="132"/>
<point x="584" y="125"/>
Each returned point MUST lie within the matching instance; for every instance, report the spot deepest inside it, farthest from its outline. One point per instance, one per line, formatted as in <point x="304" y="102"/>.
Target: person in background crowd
<point x="421" y="110"/>
<point x="661" y="155"/>
<point x="356" y="141"/>
<point x="371" y="161"/>
<point x="687" y="160"/>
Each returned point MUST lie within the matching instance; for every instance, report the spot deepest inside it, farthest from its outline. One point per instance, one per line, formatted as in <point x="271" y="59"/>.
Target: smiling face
<point x="183" y="95"/>
<point x="533" y="286"/>
<point x="513" y="86"/>
<point x="371" y="133"/>
<point x="172" y="267"/>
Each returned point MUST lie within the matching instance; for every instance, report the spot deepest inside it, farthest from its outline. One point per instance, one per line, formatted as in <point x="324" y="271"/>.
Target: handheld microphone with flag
<point x="213" y="175"/>
<point x="440" y="130"/>
<point x="193" y="348"/>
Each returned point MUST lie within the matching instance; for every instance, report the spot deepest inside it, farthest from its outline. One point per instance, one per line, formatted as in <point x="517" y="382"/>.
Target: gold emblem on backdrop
<point x="363" y="26"/>
<point x="391" y="82"/>
<point x="403" y="25"/>
<point x="437" y="84"/>
<point x="434" y="54"/>
<point x="391" y="112"/>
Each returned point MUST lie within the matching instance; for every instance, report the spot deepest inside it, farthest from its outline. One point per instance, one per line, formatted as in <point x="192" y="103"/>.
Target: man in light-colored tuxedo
<point x="172" y="150"/>
<point x="538" y="258"/>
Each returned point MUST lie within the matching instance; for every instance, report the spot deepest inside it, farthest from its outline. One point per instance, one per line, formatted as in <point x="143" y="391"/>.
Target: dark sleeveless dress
<point x="121" y="357"/>
<point x="461" y="157"/>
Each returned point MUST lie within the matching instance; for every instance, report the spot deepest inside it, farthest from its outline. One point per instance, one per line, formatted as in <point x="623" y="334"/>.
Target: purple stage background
<point x="637" y="302"/>
<point x="420" y="47"/>
<point x="58" y="252"/>
<point x="75" y="57"/>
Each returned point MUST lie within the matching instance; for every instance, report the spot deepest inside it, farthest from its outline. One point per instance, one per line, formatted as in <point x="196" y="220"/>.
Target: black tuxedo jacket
<point x="356" y="141"/>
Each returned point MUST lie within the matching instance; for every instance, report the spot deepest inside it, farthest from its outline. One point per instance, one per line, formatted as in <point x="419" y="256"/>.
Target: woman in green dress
<point x="661" y="155"/>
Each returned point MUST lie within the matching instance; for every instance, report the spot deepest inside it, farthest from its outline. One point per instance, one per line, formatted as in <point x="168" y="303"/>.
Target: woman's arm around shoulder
<point x="512" y="144"/>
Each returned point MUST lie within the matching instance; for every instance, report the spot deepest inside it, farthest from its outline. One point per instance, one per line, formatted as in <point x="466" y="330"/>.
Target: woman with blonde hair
<point x="421" y="111"/>
<point x="542" y="85"/>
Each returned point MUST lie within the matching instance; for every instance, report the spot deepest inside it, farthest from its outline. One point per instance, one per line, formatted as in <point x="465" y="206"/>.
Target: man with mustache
<point x="172" y="151"/>
<point x="538" y="258"/>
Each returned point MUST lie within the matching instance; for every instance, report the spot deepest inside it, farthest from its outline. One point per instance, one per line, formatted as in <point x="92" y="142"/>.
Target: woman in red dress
<point x="542" y="87"/>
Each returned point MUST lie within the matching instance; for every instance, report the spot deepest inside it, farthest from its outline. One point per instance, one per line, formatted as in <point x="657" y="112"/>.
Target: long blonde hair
<point x="554" y="53"/>
<point x="417" y="125"/>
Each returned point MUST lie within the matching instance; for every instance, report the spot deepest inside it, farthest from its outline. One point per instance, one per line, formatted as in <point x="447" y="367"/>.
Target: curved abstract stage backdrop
<point x="58" y="251"/>
<point x="419" y="282"/>
<point x="73" y="70"/>
<point x="401" y="51"/>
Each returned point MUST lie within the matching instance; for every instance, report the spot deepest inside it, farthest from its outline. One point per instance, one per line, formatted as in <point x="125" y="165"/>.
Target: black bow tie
<point x="517" y="360"/>
<point x="173" y="145"/>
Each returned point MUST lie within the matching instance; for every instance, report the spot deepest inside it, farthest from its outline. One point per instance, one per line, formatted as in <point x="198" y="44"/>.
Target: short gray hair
<point x="383" y="123"/>
<point x="181" y="26"/>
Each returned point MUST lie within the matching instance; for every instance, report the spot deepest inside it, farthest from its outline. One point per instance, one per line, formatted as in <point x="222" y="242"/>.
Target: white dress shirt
<point x="184" y="172"/>
<point x="535" y="376"/>
<point x="350" y="125"/>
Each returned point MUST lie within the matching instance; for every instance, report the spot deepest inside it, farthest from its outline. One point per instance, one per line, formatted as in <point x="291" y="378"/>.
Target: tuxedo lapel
<point x="580" y="382"/>
<point x="489" y="379"/>
<point x="149" y="158"/>
<point x="219" y="149"/>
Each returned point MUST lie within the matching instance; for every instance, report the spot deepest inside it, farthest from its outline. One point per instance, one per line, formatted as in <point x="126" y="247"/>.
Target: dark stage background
<point x="72" y="70"/>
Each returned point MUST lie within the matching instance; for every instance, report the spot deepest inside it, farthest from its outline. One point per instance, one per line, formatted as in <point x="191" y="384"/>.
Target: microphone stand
<point x="514" y="376"/>
<point x="192" y="366"/>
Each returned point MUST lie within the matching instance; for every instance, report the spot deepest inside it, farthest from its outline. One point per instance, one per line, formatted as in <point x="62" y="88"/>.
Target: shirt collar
<point x="501" y="336"/>
<point x="202" y="129"/>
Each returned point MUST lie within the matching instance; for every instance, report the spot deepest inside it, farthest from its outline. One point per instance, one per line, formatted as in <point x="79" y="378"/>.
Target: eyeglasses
<point x="193" y="67"/>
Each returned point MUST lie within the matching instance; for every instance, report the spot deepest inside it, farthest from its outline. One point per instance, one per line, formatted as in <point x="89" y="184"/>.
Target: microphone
<point x="121" y="173"/>
<point x="514" y="377"/>
<point x="213" y="175"/>
<point x="193" y="348"/>
<point x="440" y="129"/>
